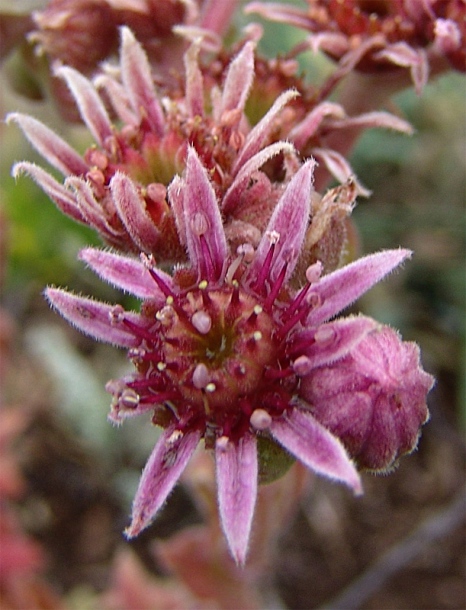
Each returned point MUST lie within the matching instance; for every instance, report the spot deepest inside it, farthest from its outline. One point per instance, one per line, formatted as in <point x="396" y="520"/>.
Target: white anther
<point x="313" y="272"/>
<point x="136" y="352"/>
<point x="302" y="366"/>
<point x="260" y="419"/>
<point x="116" y="314"/>
<point x="129" y="399"/>
<point x="324" y="334"/>
<point x="147" y="260"/>
<point x="199" y="223"/>
<point x="257" y="309"/>
<point x="161" y="366"/>
<point x="165" y="315"/>
<point x="201" y="321"/>
<point x="257" y="335"/>
<point x="201" y="376"/>
<point x="174" y="436"/>
<point x="222" y="443"/>
<point x="169" y="300"/>
<point x="273" y="237"/>
<point x="246" y="251"/>
<point x="210" y="387"/>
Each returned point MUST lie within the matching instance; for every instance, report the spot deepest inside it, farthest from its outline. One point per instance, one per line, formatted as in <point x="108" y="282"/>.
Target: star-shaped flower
<point x="223" y="347"/>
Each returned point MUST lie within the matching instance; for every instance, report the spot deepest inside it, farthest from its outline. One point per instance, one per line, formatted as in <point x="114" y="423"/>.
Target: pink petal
<point x="117" y="95"/>
<point x="89" y="103"/>
<point x="137" y="80"/>
<point x="237" y="491"/>
<point x="378" y="119"/>
<point x="289" y="221"/>
<point x="92" y="318"/>
<point x="308" y="126"/>
<point x="125" y="273"/>
<point x="131" y="209"/>
<point x="238" y="80"/>
<point x="275" y="11"/>
<point x="252" y="165"/>
<point x="216" y="16"/>
<point x="47" y="143"/>
<point x="163" y="469"/>
<point x="339" y="289"/>
<point x="175" y="193"/>
<point x="194" y="82"/>
<point x="205" y="237"/>
<point x="90" y="207"/>
<point x="334" y="340"/>
<point x="302" y="435"/>
<point x="416" y="60"/>
<point x="63" y="199"/>
<point x="339" y="167"/>
<point x="259" y="133"/>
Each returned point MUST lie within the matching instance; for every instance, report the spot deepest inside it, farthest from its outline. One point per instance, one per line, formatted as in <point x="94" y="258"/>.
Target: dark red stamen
<point x="264" y="272"/>
<point x="140" y="332"/>
<point x="275" y="288"/>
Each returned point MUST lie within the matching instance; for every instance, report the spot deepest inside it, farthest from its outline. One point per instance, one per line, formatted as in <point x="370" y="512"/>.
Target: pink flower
<point x="222" y="347"/>
<point x="382" y="36"/>
<point x="119" y="186"/>
<point x="373" y="399"/>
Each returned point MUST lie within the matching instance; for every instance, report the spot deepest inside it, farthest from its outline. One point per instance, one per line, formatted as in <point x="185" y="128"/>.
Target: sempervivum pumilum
<point x="119" y="185"/>
<point x="222" y="347"/>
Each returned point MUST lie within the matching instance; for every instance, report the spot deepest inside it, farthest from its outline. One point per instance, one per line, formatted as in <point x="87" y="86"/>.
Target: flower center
<point x="215" y="347"/>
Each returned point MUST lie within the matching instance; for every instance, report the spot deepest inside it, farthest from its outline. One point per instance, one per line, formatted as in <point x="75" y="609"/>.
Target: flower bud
<point x="374" y="399"/>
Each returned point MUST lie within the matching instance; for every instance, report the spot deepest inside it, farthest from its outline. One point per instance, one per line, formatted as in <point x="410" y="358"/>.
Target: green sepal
<point x="274" y="460"/>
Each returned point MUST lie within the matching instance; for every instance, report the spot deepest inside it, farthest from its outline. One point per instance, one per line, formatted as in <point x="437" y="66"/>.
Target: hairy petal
<point x="124" y="273"/>
<point x="89" y="103"/>
<point x="302" y="435"/>
<point x="259" y="133"/>
<point x="138" y="81"/>
<point x="289" y="220"/>
<point x="332" y="341"/>
<point x="92" y="318"/>
<point x="118" y="97"/>
<point x="339" y="289"/>
<point x="238" y="80"/>
<point x="131" y="210"/>
<point x="205" y="237"/>
<point x="162" y="471"/>
<point x="340" y="169"/>
<point x="194" y="82"/>
<point x="376" y="118"/>
<point x="311" y="123"/>
<point x="47" y="143"/>
<point x="61" y="196"/>
<point x="237" y="491"/>
<point x="175" y="193"/>
<point x="90" y="207"/>
<point x="252" y="165"/>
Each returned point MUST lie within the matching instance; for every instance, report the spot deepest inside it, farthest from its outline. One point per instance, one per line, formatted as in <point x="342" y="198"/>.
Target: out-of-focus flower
<point x="383" y="35"/>
<point x="119" y="186"/>
<point x="83" y="33"/>
<point x="221" y="348"/>
<point x="373" y="399"/>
